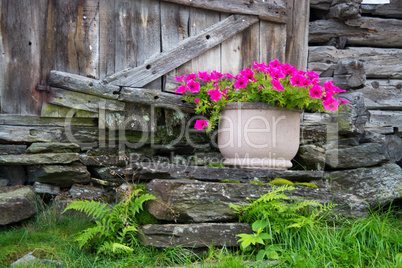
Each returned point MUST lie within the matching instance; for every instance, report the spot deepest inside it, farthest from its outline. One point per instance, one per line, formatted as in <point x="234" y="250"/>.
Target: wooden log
<point x="382" y="94"/>
<point x="364" y="31"/>
<point x="391" y="10"/>
<point x="185" y="51"/>
<point x="321" y="4"/>
<point x="349" y="73"/>
<point x="385" y="119"/>
<point x="265" y="11"/>
<point x="32" y="120"/>
<point x="50" y="110"/>
<point x="155" y="97"/>
<point x="379" y="62"/>
<point x="82" y="84"/>
<point x="82" y="101"/>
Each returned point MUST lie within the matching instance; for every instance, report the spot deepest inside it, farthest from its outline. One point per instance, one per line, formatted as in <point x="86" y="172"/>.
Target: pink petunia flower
<point x="196" y="101"/>
<point x="204" y="76"/>
<point x="191" y="77"/>
<point x="215" y="94"/>
<point x="288" y="69"/>
<point x="316" y="91"/>
<point x="180" y="78"/>
<point x="200" y="124"/>
<point x="181" y="89"/>
<point x="312" y="74"/>
<point x="306" y="82"/>
<point x="248" y="74"/>
<point x="274" y="64"/>
<point x="276" y="73"/>
<point x="297" y="80"/>
<point x="193" y="86"/>
<point x="215" y="75"/>
<point x="331" y="104"/>
<point x="277" y="85"/>
<point x="260" y="67"/>
<point x="241" y="82"/>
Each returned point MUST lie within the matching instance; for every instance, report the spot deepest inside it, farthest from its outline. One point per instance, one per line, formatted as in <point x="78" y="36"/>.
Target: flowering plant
<point x="277" y="84"/>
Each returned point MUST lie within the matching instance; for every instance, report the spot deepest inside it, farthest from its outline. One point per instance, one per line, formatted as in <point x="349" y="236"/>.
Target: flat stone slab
<point x="193" y="235"/>
<point x="53" y="147"/>
<point x="196" y="201"/>
<point x="17" y="204"/>
<point x="86" y="192"/>
<point x="43" y="188"/>
<point x="152" y="170"/>
<point x="38" y="159"/>
<point x="59" y="175"/>
<point x="12" y="148"/>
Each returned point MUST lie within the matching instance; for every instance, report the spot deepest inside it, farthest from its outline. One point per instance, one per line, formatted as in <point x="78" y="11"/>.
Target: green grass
<point x="372" y="242"/>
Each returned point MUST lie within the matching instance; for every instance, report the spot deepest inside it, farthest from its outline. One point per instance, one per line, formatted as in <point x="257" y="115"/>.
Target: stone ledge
<point x="193" y="235"/>
<point x="38" y="159"/>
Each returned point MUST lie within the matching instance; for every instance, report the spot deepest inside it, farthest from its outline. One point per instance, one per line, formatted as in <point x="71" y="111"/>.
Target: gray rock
<point x="104" y="160"/>
<point x="28" y="260"/>
<point x="105" y="173"/>
<point x="86" y="192"/>
<point x="311" y="156"/>
<point x="17" y="204"/>
<point x="377" y="185"/>
<point x="364" y="155"/>
<point x="14" y="175"/>
<point x="353" y="116"/>
<point x="59" y="175"/>
<point x="393" y="148"/>
<point x="42" y="188"/>
<point x="38" y="159"/>
<point x="193" y="235"/>
<point x="12" y="148"/>
<point x="195" y="201"/>
<point x="53" y="147"/>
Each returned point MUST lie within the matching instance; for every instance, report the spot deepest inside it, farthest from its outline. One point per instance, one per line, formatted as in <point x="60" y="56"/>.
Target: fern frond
<point x="90" y="208"/>
<point x="88" y="234"/>
<point x="115" y="248"/>
<point x="138" y="203"/>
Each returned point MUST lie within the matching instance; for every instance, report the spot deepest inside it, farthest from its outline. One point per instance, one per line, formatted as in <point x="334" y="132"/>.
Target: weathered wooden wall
<point x="97" y="39"/>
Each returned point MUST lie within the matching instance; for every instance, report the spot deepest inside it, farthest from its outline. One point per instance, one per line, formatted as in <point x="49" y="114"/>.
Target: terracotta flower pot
<point x="256" y="135"/>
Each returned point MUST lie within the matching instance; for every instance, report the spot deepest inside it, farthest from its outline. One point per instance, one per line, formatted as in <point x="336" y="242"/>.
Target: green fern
<point x="115" y="229"/>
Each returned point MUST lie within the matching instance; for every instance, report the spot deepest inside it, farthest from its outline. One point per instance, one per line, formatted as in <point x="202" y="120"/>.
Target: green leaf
<point x="261" y="255"/>
<point x="260" y="224"/>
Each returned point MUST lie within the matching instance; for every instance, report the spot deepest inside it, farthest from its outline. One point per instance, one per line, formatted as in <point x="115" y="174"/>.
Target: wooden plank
<point x="321" y="4"/>
<point x="137" y="34"/>
<point x="83" y="84"/>
<point x="175" y="22"/>
<point x="30" y="134"/>
<point x="265" y="11"/>
<point x="82" y="101"/>
<point x="391" y="10"/>
<point x="272" y="42"/>
<point x="185" y="51"/>
<point x="107" y="38"/>
<point x="241" y="50"/>
<point x="21" y="33"/>
<point x="382" y="94"/>
<point x="199" y="20"/>
<point x="379" y="119"/>
<point x="155" y="97"/>
<point x="32" y="120"/>
<point x="297" y="33"/>
<point x="364" y="31"/>
<point x="379" y="62"/>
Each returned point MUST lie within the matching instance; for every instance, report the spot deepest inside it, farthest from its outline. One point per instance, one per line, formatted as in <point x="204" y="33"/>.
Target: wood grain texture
<point x="382" y="94"/>
<point x="379" y="62"/>
<point x="385" y="119"/>
<point x="156" y="98"/>
<point x="185" y="51"/>
<point x="80" y="101"/>
<point x="50" y="110"/>
<point x="391" y="10"/>
<point x="265" y="11"/>
<point x="364" y="31"/>
<point x="83" y="84"/>
<point x="297" y="33"/>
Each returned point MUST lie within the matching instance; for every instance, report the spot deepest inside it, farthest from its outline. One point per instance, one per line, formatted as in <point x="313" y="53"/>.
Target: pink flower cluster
<point x="277" y="75"/>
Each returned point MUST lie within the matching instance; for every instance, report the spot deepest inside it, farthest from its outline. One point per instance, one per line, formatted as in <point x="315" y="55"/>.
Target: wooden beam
<point x="379" y="62"/>
<point x="82" y="84"/>
<point x="82" y="101"/>
<point x="185" y="51"/>
<point x="265" y="11"/>
<point x="155" y="97"/>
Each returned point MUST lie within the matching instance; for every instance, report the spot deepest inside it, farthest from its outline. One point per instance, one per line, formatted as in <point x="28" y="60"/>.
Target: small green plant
<point x="115" y="229"/>
<point x="274" y="214"/>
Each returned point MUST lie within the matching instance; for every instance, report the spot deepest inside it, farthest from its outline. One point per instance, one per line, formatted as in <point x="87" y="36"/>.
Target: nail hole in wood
<point x="148" y="67"/>
<point x="207" y="36"/>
